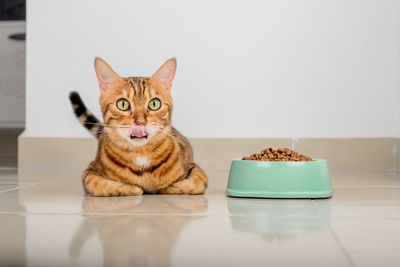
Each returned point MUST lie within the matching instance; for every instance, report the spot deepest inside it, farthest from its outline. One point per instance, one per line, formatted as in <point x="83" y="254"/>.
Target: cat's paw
<point x="129" y="190"/>
<point x="172" y="190"/>
<point x="184" y="187"/>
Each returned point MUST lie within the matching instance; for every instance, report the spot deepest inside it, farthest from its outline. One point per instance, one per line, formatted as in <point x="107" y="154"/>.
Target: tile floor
<point x="47" y="221"/>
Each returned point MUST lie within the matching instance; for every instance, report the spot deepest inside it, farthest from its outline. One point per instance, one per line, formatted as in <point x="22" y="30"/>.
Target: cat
<point x="138" y="149"/>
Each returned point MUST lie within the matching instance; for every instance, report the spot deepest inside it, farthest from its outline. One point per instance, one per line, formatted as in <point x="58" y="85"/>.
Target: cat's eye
<point x="123" y="104"/>
<point x="155" y="104"/>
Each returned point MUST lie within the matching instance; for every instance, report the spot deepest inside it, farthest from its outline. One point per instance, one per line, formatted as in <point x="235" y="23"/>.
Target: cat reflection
<point x="131" y="235"/>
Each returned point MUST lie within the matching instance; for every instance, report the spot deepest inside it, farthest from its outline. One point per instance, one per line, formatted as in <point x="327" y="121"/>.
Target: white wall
<point x="246" y="68"/>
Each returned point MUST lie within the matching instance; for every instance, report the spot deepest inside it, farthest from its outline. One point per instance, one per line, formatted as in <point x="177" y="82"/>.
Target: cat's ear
<point x="166" y="73"/>
<point x="105" y="74"/>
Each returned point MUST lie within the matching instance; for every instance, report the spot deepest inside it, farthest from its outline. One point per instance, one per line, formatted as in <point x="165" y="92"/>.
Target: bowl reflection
<point x="277" y="219"/>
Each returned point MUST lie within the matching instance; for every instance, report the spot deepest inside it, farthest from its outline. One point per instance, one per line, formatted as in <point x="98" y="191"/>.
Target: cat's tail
<point x="86" y="117"/>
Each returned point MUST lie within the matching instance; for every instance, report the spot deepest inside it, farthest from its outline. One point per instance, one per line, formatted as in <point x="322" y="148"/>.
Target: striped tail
<point x="85" y="116"/>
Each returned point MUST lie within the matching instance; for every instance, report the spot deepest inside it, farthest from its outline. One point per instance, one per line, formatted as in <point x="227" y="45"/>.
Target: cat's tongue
<point x="138" y="131"/>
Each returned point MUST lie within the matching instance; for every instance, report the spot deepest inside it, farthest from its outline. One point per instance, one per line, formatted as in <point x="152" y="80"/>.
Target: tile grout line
<point x="322" y="217"/>
<point x="22" y="186"/>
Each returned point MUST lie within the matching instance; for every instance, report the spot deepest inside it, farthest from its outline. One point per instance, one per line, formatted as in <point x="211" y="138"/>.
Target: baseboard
<point x="216" y="153"/>
<point x="55" y="153"/>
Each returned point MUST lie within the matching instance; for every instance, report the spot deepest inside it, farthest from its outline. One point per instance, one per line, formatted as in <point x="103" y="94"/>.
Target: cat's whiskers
<point x="107" y="125"/>
<point x="114" y="127"/>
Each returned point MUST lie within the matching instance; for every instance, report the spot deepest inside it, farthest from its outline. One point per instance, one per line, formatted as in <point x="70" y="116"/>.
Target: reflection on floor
<point x="48" y="221"/>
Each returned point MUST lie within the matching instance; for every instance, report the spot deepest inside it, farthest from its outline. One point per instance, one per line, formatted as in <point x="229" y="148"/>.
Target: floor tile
<point x="95" y="240"/>
<point x="5" y="187"/>
<point x="363" y="202"/>
<point x="370" y="242"/>
<point x="42" y="198"/>
<point x="68" y="199"/>
<point x="271" y="207"/>
<point x="53" y="176"/>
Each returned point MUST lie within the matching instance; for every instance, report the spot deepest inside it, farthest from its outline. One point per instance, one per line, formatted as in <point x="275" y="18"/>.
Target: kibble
<point x="280" y="154"/>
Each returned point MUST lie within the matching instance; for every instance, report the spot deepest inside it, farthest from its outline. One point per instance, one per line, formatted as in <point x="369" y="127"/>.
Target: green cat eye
<point x="123" y="104"/>
<point x="155" y="104"/>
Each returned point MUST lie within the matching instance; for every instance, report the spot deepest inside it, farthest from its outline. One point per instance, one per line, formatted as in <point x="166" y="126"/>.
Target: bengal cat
<point x="138" y="149"/>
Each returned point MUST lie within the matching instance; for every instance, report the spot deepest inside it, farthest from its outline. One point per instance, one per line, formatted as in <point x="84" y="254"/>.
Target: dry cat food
<point x="281" y="154"/>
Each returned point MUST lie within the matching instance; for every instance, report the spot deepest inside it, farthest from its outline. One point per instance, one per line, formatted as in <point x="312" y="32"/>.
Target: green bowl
<point x="279" y="179"/>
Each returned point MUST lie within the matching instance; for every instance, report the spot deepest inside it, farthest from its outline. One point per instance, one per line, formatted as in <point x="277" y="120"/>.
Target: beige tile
<point x="53" y="198"/>
<point x="370" y="242"/>
<point x="258" y="241"/>
<point x="293" y="208"/>
<point x="103" y="240"/>
<point x="365" y="179"/>
<point x="55" y="152"/>
<point x="217" y="154"/>
<point x="67" y="199"/>
<point x="4" y="187"/>
<point x="13" y="240"/>
<point x="43" y="198"/>
<point x="65" y="189"/>
<point x="371" y="202"/>
<point x="350" y="154"/>
<point x="209" y="204"/>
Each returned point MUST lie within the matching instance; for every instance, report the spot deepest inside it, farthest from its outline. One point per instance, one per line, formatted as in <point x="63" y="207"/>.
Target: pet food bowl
<point x="279" y="179"/>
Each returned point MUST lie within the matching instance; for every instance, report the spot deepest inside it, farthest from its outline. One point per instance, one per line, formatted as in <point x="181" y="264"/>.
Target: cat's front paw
<point x="129" y="190"/>
<point x="184" y="187"/>
<point x="172" y="190"/>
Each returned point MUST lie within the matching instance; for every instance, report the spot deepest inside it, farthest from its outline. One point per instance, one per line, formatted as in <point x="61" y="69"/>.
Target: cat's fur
<point x="161" y="162"/>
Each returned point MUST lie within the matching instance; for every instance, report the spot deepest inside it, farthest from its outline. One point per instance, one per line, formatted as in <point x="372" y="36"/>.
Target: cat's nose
<point x="139" y="118"/>
<point x="140" y="122"/>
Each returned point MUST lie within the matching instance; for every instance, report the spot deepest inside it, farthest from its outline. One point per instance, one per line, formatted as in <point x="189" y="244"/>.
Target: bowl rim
<point x="279" y="162"/>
